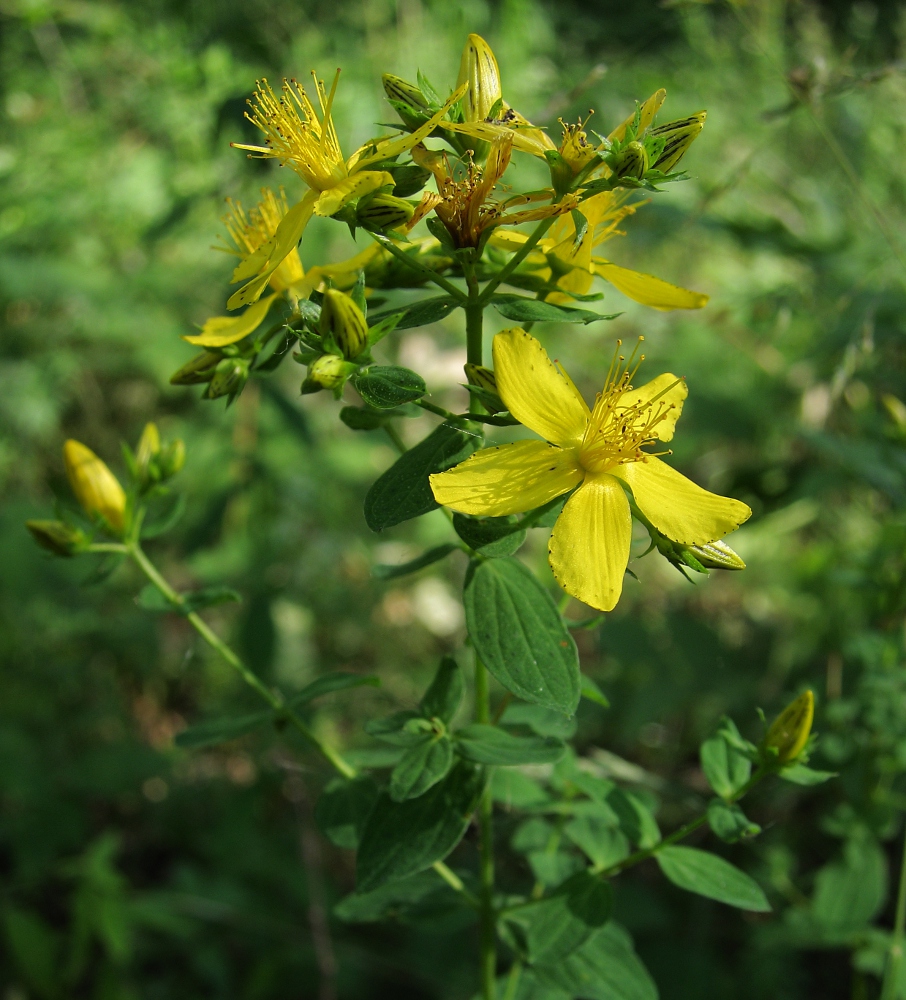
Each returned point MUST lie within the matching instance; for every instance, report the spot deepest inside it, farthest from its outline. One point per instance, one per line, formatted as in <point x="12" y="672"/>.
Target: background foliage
<point x="131" y="868"/>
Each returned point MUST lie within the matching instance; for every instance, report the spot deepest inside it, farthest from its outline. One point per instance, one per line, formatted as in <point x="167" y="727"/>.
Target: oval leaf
<point x="519" y="634"/>
<point x="491" y="536"/>
<point x="403" y="491"/>
<point x="420" y="313"/>
<point x="221" y="730"/>
<point x="492" y="745"/>
<point x="525" y="310"/>
<point x="422" y="767"/>
<point x="343" y="808"/>
<point x="403" y="838"/>
<point x="712" y="876"/>
<point x="387" y="386"/>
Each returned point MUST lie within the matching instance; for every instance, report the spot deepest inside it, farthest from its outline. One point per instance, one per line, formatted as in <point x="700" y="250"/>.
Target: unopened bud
<point x="384" y="211"/>
<point x="95" y="486"/>
<point x="147" y="451"/>
<point x="631" y="161"/>
<point x="678" y="136"/>
<point x="57" y="537"/>
<point x="343" y="322"/>
<point x="229" y="378"/>
<point x="200" y="369"/>
<point x="172" y="458"/>
<point x="483" y="377"/>
<point x="330" y="371"/>
<point x="717" y="555"/>
<point x="790" y="730"/>
<point x="400" y="90"/>
<point x="478" y="68"/>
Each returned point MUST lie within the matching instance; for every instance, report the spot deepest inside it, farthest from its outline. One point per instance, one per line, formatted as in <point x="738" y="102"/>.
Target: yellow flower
<point x="248" y="232"/>
<point x="572" y="265"/>
<point x="305" y="139"/>
<point x="602" y="452"/>
<point x="95" y="486"/>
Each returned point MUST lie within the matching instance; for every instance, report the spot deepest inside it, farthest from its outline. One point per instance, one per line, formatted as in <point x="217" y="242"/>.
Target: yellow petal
<point x="531" y="140"/>
<point x="350" y="188"/>
<point x="219" y="331"/>
<point x="589" y="546"/>
<point x="648" y="290"/>
<point x="268" y="257"/>
<point x="649" y="109"/>
<point x="677" y="507"/>
<point x="507" y="479"/>
<point x="535" y="391"/>
<point x="668" y="394"/>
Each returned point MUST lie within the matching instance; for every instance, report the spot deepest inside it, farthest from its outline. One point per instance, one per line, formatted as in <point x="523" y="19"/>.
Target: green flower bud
<point x="146" y="454"/>
<point x="229" y="378"/>
<point x="343" y="322"/>
<point x="631" y="161"/>
<point x="398" y="89"/>
<point x="200" y="369"/>
<point x="790" y="730"/>
<point x="95" y="486"/>
<point x="172" y="458"/>
<point x="57" y="537"/>
<point x="678" y="136"/>
<point x="330" y="371"/>
<point x="717" y="555"/>
<point x="384" y="211"/>
<point x="478" y="67"/>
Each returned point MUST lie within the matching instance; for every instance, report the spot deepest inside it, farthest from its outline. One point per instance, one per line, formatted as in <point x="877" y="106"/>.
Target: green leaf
<point x="519" y="634"/>
<point x="421" y="313"/>
<point x="221" y="730"/>
<point x="390" y="901"/>
<point x="403" y="491"/>
<point x="799" y="774"/>
<point x="591" y="692"/>
<point x="491" y="745"/>
<point x="328" y="683"/>
<point x="387" y="386"/>
<point x="403" y="838"/>
<point x="414" y="565"/>
<point x="726" y="767"/>
<point x="444" y="696"/>
<point x="555" y="927"/>
<point x="166" y="520"/>
<point x="491" y="536"/>
<point x="525" y="310"/>
<point x="605" y="968"/>
<point x="361" y="418"/>
<point x="34" y="948"/>
<point x="343" y="808"/>
<point x="729" y="822"/>
<point x="515" y="790"/>
<point x="709" y="875"/>
<point x="543" y="721"/>
<point x="402" y="729"/>
<point x="421" y="767"/>
<point x="598" y="838"/>
<point x="529" y="988"/>
<point x="636" y="819"/>
<point x="851" y="892"/>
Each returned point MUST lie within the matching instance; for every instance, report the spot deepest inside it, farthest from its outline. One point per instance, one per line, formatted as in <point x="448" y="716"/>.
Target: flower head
<point x="604" y="450"/>
<point x="249" y="231"/>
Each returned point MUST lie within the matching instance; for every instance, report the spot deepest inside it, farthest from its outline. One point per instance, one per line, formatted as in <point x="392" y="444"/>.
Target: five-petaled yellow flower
<point x="602" y="452"/>
<point x="302" y="138"/>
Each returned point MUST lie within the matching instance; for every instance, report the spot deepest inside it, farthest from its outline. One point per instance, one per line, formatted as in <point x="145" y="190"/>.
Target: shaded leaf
<point x="328" y="683"/>
<point x="444" y="696"/>
<point x="729" y="822"/>
<point x="491" y="745"/>
<point x="390" y="901"/>
<point x="799" y="774"/>
<point x="420" y="313"/>
<point x="343" y="808"/>
<point x="726" y="767"/>
<point x="421" y="767"/>
<point x="221" y="730"/>
<point x="709" y="875"/>
<point x="491" y="536"/>
<point x="525" y="310"/>
<point x="388" y="386"/>
<point x="384" y="572"/>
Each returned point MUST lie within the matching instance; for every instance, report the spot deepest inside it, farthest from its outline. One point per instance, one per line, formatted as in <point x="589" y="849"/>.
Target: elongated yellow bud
<point x="789" y="732"/>
<point x="384" y="211"/>
<point x="717" y="555"/>
<point x="343" y="321"/>
<point x="148" y="448"/>
<point x="95" y="486"/>
<point x="57" y="537"/>
<point x="483" y="377"/>
<point x="478" y="68"/>
<point x="678" y="136"/>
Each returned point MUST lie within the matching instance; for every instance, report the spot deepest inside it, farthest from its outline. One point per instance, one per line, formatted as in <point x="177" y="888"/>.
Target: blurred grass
<point x="132" y="869"/>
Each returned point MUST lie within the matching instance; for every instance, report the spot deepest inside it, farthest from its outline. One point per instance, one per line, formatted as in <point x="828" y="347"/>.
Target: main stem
<point x="487" y="969"/>
<point x="895" y="952"/>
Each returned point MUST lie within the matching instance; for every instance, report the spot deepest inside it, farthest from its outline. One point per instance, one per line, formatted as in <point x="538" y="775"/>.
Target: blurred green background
<point x="131" y="869"/>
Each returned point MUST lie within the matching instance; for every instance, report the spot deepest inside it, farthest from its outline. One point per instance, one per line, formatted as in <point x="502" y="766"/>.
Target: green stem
<point x="895" y="952"/>
<point x="487" y="916"/>
<point x="474" y="325"/>
<point x="274" y="699"/>
<point x="515" y="261"/>
<point x="394" y="436"/>
<point x="512" y="983"/>
<point x="455" y="882"/>
<point x="408" y="259"/>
